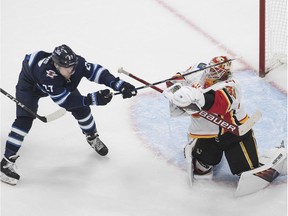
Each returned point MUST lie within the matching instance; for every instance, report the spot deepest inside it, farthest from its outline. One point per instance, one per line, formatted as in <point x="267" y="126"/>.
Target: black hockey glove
<point x="99" y="98"/>
<point x="126" y="89"/>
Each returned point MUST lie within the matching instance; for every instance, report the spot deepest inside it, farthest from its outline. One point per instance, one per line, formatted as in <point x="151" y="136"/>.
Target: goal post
<point x="272" y="35"/>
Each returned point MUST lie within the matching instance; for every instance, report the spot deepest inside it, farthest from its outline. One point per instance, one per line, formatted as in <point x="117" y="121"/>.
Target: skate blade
<point x="8" y="180"/>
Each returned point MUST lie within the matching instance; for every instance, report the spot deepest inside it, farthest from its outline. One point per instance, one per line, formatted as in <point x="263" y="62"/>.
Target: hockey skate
<point x="8" y="173"/>
<point x="95" y="142"/>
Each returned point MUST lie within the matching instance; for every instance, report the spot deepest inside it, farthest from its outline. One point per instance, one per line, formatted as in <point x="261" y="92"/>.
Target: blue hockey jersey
<point x="41" y="71"/>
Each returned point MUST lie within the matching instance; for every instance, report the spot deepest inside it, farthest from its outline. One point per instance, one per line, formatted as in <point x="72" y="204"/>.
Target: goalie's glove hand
<point x="99" y="98"/>
<point x="126" y="89"/>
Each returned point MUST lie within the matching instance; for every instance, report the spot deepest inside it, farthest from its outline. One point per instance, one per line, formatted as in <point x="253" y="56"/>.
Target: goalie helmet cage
<point x="272" y="35"/>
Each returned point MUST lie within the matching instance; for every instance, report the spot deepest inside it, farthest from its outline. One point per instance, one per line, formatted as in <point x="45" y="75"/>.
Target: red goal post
<point x="272" y="35"/>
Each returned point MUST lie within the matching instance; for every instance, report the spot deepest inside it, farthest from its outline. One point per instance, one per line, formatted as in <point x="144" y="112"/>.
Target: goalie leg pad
<point x="259" y="178"/>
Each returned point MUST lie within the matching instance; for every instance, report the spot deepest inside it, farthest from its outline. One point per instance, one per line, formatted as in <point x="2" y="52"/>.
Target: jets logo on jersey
<point x="51" y="74"/>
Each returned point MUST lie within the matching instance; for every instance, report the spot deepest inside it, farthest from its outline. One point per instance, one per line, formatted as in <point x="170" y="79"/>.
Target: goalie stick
<point x="48" y="118"/>
<point x="235" y="129"/>
<point x="186" y="73"/>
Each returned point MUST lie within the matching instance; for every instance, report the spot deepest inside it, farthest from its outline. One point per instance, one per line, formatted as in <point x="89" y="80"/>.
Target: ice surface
<point x="144" y="173"/>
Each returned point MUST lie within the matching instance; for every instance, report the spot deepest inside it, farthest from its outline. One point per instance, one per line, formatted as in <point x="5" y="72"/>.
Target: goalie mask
<point x="217" y="73"/>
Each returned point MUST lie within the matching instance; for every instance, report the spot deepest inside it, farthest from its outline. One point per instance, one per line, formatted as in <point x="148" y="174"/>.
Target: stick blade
<point x="55" y="115"/>
<point x="243" y="129"/>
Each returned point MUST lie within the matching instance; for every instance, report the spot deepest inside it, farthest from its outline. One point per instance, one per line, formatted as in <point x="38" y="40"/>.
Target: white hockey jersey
<point x="227" y="104"/>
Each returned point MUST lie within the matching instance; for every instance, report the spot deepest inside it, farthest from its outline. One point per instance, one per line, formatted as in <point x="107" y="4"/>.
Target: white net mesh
<point x="275" y="34"/>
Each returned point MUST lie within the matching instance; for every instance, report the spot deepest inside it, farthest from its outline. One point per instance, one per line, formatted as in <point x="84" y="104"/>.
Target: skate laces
<point x="11" y="165"/>
<point x="95" y="142"/>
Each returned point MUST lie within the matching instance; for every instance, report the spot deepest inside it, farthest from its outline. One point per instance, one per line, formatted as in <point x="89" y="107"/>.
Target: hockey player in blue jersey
<point x="57" y="75"/>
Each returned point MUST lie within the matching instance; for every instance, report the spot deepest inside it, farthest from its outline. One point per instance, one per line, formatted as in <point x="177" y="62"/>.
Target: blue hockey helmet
<point x="64" y="56"/>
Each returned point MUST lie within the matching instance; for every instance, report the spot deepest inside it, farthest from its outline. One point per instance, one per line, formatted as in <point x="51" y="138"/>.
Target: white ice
<point x="144" y="173"/>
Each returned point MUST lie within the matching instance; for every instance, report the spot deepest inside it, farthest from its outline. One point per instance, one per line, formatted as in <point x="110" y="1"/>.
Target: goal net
<point x="273" y="35"/>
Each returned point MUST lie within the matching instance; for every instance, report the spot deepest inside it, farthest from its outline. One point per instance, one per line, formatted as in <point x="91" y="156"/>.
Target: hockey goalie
<point x="216" y="91"/>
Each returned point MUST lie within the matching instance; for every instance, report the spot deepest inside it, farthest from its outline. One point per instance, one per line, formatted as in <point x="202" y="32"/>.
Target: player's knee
<point x="24" y="123"/>
<point x="80" y="113"/>
<point x="207" y="157"/>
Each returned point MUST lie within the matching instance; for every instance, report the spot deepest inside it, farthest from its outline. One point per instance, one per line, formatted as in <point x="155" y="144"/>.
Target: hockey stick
<point x="235" y="129"/>
<point x="186" y="73"/>
<point x="48" y="118"/>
